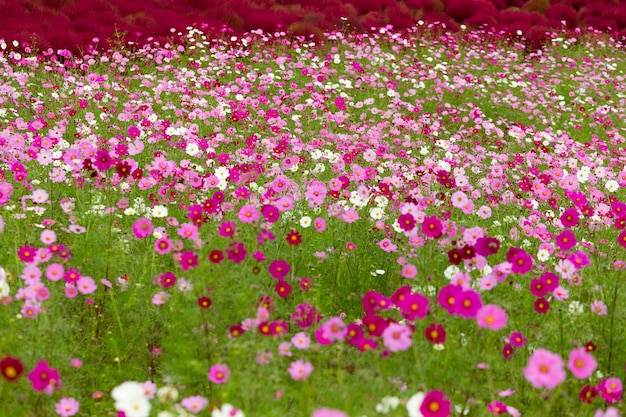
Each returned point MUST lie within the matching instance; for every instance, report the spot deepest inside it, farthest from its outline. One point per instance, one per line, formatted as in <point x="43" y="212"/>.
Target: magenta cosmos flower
<point x="219" y="373"/>
<point x="544" y="369"/>
<point x="432" y="227"/>
<point x="44" y="378"/>
<point x="581" y="363"/>
<point x="435" y="404"/>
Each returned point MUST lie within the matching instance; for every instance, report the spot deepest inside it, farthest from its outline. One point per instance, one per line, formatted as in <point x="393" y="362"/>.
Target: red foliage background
<point x="72" y="24"/>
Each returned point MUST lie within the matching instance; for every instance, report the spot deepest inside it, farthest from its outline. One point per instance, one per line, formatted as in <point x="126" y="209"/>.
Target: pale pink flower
<point x="300" y="370"/>
<point x="581" y="363"/>
<point x="491" y="316"/>
<point x="544" y="369"/>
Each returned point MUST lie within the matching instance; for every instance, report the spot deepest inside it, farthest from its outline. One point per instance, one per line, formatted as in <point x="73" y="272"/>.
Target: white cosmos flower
<point x="130" y="397"/>
<point x="191" y="149"/>
<point x="376" y="213"/>
<point x="414" y="404"/>
<point x="611" y="186"/>
<point x="305" y="221"/>
<point x="159" y="211"/>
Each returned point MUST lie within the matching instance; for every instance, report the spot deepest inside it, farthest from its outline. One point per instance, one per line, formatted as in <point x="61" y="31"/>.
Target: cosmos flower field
<point x="404" y="224"/>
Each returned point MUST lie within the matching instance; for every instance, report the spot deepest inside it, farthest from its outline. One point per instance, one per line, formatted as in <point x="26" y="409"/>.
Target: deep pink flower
<point x="566" y="240"/>
<point x="270" y="213"/>
<point x="467" y="303"/>
<point x="570" y="217"/>
<point x="496" y="407"/>
<point x="436" y="404"/>
<point x="167" y="279"/>
<point x="188" y="259"/>
<point x="236" y="252"/>
<point x="219" y="373"/>
<point x="447" y="297"/>
<point x="27" y="253"/>
<point x="611" y="389"/>
<point x="44" y="378"/>
<point x="279" y="269"/>
<point x="406" y="222"/>
<point x="517" y="339"/>
<point x="227" y="229"/>
<point x="538" y="287"/>
<point x="413" y="306"/>
<point x="521" y="262"/>
<point x="142" y="228"/>
<point x="375" y="324"/>
<point x="544" y="369"/>
<point x="432" y="227"/>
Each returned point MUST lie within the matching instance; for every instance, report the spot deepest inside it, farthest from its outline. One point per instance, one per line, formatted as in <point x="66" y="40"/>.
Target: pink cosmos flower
<point x="491" y="316"/>
<point x="334" y="329"/>
<point x="142" y="228"/>
<point x="163" y="245"/>
<point x="300" y="370"/>
<point x="194" y="404"/>
<point x="544" y="369"/>
<point x="319" y="224"/>
<point x="581" y="363"/>
<point x="67" y="407"/>
<point x="610" y="412"/>
<point x="409" y="271"/>
<point x="86" y="285"/>
<point x="328" y="412"/>
<point x="598" y="307"/>
<point x="160" y="298"/>
<point x="611" y="389"/>
<point x="397" y="337"/>
<point x="248" y="214"/>
<point x="301" y="340"/>
<point x="219" y="373"/>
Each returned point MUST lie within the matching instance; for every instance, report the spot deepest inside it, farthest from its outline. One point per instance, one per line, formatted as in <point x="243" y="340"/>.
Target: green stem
<point x="611" y="333"/>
